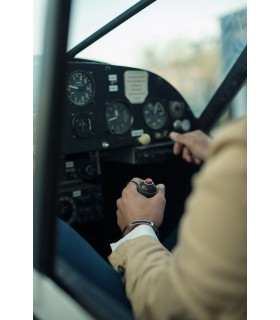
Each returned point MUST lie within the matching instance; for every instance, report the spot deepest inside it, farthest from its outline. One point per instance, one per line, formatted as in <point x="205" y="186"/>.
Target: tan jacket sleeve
<point x="205" y="275"/>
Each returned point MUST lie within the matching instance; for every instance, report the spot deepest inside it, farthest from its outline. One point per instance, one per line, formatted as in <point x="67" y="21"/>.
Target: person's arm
<point x="205" y="276"/>
<point x="195" y="146"/>
<point x="141" y="230"/>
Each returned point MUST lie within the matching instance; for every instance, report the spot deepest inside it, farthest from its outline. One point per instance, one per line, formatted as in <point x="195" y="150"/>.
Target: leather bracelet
<point x="138" y="222"/>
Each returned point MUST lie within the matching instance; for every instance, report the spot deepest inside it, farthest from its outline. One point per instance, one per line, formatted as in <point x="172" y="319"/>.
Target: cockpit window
<point x="87" y="16"/>
<point x="192" y="45"/>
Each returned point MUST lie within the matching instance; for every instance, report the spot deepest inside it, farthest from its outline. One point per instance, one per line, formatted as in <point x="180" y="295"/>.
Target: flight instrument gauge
<point x="155" y="114"/>
<point x="176" y="109"/>
<point x="82" y="125"/>
<point x="119" y="117"/>
<point x="66" y="209"/>
<point x="80" y="88"/>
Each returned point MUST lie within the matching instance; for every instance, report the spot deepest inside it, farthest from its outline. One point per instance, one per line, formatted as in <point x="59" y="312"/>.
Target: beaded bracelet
<point x="138" y="222"/>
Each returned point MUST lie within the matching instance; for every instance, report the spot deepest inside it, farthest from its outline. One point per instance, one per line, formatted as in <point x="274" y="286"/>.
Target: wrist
<point x="128" y="230"/>
<point x="130" y="226"/>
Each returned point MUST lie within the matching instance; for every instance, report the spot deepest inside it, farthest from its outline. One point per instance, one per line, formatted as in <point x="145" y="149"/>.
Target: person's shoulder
<point x="234" y="132"/>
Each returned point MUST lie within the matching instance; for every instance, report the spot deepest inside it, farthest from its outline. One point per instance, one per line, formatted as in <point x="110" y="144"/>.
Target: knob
<point x="90" y="170"/>
<point x="105" y="145"/>
<point x="147" y="188"/>
<point x="177" y="125"/>
<point x="144" y="139"/>
<point x="186" y="125"/>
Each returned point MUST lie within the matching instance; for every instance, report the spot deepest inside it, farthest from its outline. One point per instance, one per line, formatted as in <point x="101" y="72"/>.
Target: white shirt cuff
<point x="142" y="230"/>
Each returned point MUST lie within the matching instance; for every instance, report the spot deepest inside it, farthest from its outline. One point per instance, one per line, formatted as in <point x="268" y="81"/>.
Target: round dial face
<point x="119" y="117"/>
<point x="155" y="115"/>
<point x="82" y="125"/>
<point x="176" y="109"/>
<point x="80" y="88"/>
<point x="66" y="209"/>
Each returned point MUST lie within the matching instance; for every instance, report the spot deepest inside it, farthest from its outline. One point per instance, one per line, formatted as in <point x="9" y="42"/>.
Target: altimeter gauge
<point x="80" y="88"/>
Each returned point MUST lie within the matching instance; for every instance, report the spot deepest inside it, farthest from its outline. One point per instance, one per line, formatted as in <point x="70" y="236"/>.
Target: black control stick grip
<point x="147" y="188"/>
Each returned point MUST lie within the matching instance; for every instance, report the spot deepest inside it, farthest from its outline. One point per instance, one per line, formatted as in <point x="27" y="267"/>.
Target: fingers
<point x="136" y="179"/>
<point x="197" y="161"/>
<point x="187" y="155"/>
<point x="161" y="189"/>
<point x="176" y="137"/>
<point x="178" y="143"/>
<point x="197" y="143"/>
<point x="177" y="148"/>
<point x="132" y="184"/>
<point x="181" y="142"/>
<point x="118" y="203"/>
<point x="132" y="205"/>
<point x="185" y="142"/>
<point x="185" y="139"/>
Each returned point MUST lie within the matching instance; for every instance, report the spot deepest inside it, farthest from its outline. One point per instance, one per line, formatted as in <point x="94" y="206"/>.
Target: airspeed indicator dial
<point x="80" y="88"/>
<point x="155" y="114"/>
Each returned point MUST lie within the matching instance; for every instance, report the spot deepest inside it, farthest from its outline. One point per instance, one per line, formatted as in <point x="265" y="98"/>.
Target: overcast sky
<point x="161" y="21"/>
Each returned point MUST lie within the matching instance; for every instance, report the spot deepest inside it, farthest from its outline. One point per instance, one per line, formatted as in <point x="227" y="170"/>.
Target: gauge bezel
<point x="175" y="113"/>
<point x="148" y="124"/>
<point x="131" y="117"/>
<point x="93" y="87"/>
<point x="73" y="204"/>
<point x="79" y="133"/>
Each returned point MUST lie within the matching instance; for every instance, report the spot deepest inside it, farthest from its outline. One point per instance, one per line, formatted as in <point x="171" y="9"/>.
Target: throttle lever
<point x="147" y="188"/>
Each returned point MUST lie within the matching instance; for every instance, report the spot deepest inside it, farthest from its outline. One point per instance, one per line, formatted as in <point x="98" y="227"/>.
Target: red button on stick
<point x="147" y="188"/>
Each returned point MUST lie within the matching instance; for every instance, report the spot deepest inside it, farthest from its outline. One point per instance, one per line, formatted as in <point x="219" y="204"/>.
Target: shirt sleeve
<point x="141" y="230"/>
<point x="205" y="275"/>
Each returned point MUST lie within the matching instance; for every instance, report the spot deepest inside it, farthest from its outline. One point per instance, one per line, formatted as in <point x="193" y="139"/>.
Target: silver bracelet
<point x="138" y="222"/>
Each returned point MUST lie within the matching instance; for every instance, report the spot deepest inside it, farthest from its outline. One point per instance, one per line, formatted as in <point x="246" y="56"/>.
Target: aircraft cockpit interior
<point x="112" y="80"/>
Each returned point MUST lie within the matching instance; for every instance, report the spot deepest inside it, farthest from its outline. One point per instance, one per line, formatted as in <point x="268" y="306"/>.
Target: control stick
<point x="147" y="188"/>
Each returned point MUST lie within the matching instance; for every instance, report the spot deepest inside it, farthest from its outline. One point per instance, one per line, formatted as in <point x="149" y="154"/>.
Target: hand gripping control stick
<point x="147" y="188"/>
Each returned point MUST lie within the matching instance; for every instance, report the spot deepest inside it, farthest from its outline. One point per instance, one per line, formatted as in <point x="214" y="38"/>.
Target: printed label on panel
<point x="136" y="86"/>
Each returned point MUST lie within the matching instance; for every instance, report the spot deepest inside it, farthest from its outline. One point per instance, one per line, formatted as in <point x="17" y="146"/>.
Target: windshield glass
<point x="192" y="45"/>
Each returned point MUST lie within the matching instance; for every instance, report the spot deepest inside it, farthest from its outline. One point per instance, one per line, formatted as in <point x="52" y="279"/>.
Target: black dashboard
<point x="116" y="127"/>
<point x="113" y="107"/>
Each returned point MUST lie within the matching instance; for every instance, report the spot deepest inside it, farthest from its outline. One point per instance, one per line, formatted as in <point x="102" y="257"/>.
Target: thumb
<point x="179" y="142"/>
<point x="176" y="137"/>
<point x="161" y="189"/>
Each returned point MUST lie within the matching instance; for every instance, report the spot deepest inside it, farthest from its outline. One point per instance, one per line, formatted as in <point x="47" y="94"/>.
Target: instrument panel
<point x="111" y="107"/>
<point x="114" y="116"/>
